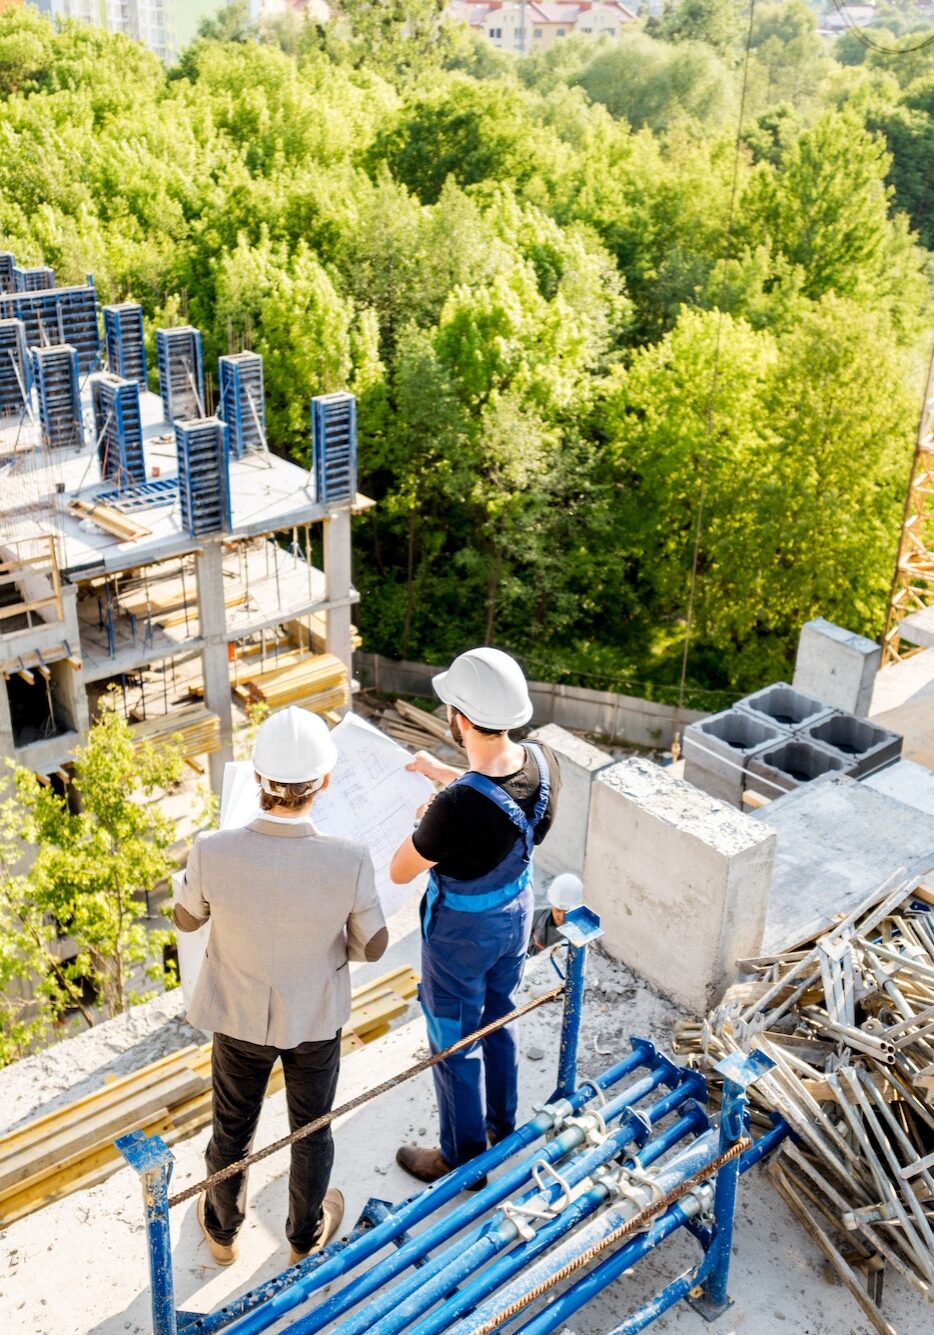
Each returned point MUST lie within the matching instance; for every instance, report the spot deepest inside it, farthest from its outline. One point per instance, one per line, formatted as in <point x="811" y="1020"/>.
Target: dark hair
<point x="514" y="734"/>
<point x="288" y="795"/>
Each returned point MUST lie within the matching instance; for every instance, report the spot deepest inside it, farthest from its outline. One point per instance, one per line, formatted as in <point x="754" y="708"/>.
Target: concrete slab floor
<point x="79" y="1268"/>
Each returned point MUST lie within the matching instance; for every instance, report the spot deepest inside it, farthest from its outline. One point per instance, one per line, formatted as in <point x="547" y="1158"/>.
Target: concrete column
<point x="7" y="747"/>
<point x="212" y="616"/>
<point x="337" y="572"/>
<point x="680" y="880"/>
<point x="837" y="666"/>
<point x="579" y="762"/>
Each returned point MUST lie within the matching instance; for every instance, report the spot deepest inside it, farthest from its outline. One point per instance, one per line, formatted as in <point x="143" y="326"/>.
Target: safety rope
<point x="635" y="1224"/>
<point x="320" y="1122"/>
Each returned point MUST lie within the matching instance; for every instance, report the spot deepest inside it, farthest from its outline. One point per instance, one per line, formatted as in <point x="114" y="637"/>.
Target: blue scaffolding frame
<point x="55" y="371"/>
<point x="181" y="373"/>
<point x="56" y="316"/>
<point x="118" y="429"/>
<point x="242" y="402"/>
<point x="15" y="367"/>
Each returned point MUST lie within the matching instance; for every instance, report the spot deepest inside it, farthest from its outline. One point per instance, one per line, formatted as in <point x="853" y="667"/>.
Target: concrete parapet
<point x="906" y="782"/>
<point x="717" y="749"/>
<point x="680" y="880"/>
<point x="836" y="665"/>
<point x="579" y="762"/>
<point x="791" y="763"/>
<point x="869" y="747"/>
<point x="781" y="704"/>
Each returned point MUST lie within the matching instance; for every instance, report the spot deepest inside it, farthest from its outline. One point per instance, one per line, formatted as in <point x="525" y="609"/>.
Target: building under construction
<point x="153" y="542"/>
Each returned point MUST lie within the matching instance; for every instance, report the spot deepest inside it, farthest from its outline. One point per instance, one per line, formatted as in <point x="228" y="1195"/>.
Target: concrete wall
<point x="619" y="718"/>
<point x="680" y="880"/>
<point x="579" y="763"/>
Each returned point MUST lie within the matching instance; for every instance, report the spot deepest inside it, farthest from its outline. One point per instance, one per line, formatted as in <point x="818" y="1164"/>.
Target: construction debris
<point x="72" y="1148"/>
<point x="416" y="728"/>
<point x="848" y="1018"/>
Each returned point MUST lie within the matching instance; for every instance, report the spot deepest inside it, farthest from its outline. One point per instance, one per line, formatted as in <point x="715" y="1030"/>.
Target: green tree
<point x="81" y="873"/>
<point x="715" y="22"/>
<point x="650" y="83"/>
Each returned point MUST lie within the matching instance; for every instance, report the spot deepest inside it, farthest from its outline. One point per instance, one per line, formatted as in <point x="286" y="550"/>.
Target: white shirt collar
<point x="285" y="820"/>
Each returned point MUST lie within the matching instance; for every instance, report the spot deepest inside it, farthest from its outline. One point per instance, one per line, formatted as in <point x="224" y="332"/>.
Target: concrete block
<point x="775" y="769"/>
<point x="680" y="881"/>
<point x="564" y="845"/>
<point x="717" y="749"/>
<point x="838" y="841"/>
<point x="836" y="665"/>
<point x="870" y="747"/>
<point x="782" y="705"/>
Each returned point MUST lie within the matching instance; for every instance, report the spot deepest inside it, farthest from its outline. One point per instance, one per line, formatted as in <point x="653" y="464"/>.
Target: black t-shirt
<point x="467" y="835"/>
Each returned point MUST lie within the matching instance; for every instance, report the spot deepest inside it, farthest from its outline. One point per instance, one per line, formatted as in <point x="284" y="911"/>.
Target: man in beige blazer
<point x="289" y="907"/>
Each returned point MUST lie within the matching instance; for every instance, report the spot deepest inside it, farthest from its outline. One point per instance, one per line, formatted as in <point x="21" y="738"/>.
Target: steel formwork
<point x="181" y="373"/>
<point x="334" y="446"/>
<point x="203" y="476"/>
<point x="118" y="429"/>
<point x="124" y="343"/>
<point x="55" y="371"/>
<point x="242" y="402"/>
<point x="605" y="1171"/>
<point x="56" y="316"/>
<point x="15" y="367"/>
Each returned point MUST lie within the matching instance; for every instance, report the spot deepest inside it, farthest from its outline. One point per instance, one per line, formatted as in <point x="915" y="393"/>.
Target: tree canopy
<point x="518" y="264"/>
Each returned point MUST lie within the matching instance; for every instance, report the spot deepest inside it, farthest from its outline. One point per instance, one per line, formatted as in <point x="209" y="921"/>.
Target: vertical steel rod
<point x="152" y="1159"/>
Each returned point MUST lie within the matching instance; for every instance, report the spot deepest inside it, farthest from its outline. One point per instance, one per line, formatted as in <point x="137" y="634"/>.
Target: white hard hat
<point x="487" y="687"/>
<point x="293" y="746"/>
<point x="566" y="891"/>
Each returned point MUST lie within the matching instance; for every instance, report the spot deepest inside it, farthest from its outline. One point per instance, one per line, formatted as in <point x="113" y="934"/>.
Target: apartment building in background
<point x="527" y="26"/>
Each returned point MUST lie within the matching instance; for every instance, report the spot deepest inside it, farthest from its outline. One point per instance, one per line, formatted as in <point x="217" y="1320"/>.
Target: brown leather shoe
<point x="332" y="1208"/>
<point x="224" y="1253"/>
<point x="428" y="1165"/>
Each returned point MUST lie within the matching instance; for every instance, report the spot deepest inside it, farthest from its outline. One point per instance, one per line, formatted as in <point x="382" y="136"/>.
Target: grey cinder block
<point x="866" y="744"/>
<point x="717" y="749"/>
<point x="792" y="763"/>
<point x="781" y="704"/>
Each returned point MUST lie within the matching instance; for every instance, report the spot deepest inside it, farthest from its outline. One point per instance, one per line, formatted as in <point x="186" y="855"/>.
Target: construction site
<point x="726" y="1064"/>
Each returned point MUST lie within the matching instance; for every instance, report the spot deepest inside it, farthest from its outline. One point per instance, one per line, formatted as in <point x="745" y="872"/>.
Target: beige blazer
<point x="288" y="907"/>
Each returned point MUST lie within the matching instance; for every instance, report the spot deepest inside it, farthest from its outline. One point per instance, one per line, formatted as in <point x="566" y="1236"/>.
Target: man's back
<point x="289" y="907"/>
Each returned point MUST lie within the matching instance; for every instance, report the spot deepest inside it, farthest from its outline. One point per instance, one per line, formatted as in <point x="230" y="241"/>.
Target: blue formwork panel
<point x="203" y="475"/>
<point x="55" y="371"/>
<point x="242" y="401"/>
<point x="58" y="316"/>
<point x="7" y="265"/>
<point x="15" y="370"/>
<point x="123" y="341"/>
<point x="181" y="373"/>
<point x="334" y="446"/>
<point x="37" y="279"/>
<point x="118" y="429"/>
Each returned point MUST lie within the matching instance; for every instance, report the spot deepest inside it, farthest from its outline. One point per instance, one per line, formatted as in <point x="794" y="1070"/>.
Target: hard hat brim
<point x="324" y="766"/>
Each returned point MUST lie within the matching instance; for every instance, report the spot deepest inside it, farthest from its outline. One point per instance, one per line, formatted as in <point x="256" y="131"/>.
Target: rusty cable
<point x="320" y="1122"/>
<point x="632" y="1225"/>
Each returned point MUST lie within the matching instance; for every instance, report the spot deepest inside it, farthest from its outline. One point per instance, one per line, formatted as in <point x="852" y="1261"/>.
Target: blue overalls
<point x="474" y="940"/>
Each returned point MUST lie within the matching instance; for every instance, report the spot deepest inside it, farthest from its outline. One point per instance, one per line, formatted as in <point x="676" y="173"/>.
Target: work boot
<point x="224" y="1253"/>
<point x="428" y="1165"/>
<point x="332" y="1212"/>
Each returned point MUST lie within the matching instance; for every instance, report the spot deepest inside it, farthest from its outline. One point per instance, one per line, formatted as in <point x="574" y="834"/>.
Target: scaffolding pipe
<point x="427" y="1203"/>
<point x="565" y="1143"/>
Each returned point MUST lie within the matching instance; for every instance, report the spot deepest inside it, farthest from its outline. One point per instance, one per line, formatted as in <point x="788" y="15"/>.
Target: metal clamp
<point x="591" y="1125"/>
<point x="519" y="1215"/>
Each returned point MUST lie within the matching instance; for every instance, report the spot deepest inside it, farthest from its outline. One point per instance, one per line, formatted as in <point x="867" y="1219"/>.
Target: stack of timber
<point x="72" y="1148"/>
<point x="848" y="1019"/>
<point x="317" y="682"/>
<point x="193" y="729"/>
<point x="418" y="729"/>
<point x="110" y="520"/>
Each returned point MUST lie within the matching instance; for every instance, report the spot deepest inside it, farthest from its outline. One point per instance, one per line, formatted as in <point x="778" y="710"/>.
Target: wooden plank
<point x="112" y="521"/>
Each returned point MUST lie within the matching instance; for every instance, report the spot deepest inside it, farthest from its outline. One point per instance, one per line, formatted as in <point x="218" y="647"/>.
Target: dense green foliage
<point x="80" y="874"/>
<point x="517" y="265"/>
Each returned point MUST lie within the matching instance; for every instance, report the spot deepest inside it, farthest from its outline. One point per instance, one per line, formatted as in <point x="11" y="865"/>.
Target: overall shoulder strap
<point x="487" y="787"/>
<point x="544" y="781"/>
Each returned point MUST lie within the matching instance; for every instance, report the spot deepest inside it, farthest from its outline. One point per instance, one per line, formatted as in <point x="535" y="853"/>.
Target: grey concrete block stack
<point x="779" y="738"/>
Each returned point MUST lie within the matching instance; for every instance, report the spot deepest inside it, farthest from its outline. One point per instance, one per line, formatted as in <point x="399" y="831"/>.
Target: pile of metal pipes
<point x="848" y="1020"/>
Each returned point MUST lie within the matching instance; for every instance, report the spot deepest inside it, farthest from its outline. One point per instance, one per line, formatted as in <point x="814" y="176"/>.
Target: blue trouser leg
<point x="500" y="1055"/>
<point x="471" y="966"/>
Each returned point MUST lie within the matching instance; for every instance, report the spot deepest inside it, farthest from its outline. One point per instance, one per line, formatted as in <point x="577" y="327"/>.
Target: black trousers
<point x="241" y="1073"/>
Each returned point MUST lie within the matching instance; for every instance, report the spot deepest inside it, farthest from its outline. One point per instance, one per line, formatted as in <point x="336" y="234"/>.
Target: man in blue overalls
<point x="476" y="837"/>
